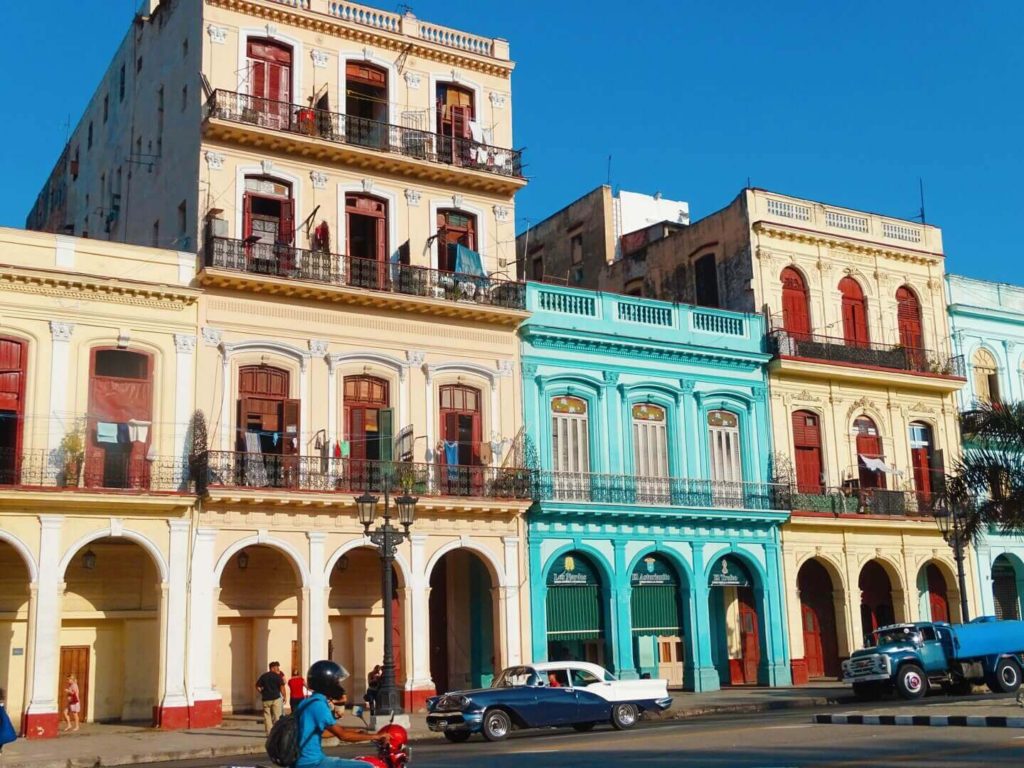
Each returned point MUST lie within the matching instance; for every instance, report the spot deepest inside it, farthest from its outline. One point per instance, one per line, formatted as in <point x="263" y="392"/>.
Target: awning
<point x="878" y="465"/>
<point x="656" y="611"/>
<point x="574" y="613"/>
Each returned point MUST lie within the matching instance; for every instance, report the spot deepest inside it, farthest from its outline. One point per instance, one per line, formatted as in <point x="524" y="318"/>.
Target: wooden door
<point x="439" y="626"/>
<point x="670" y="660"/>
<point x="855" y="319"/>
<point x="938" y="597"/>
<point x="869" y="444"/>
<point x="367" y="241"/>
<point x="750" y="641"/>
<point x="813" y="653"/>
<point x="270" y="82"/>
<point x="796" y="317"/>
<point x="909" y="318"/>
<point x="454" y="228"/>
<point x="12" y="397"/>
<point x="807" y="451"/>
<point x="74" y="660"/>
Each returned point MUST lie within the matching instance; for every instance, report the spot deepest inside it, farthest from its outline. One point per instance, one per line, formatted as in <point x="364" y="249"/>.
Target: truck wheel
<point x="911" y="682"/>
<point x="1005" y="678"/>
<point x="624" y="716"/>
<point x="866" y="691"/>
<point x="496" y="725"/>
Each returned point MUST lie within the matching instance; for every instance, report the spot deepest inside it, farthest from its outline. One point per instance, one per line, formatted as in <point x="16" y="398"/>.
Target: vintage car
<point x="553" y="694"/>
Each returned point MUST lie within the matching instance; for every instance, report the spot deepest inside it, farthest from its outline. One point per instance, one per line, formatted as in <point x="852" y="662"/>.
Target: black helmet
<point x="325" y="677"/>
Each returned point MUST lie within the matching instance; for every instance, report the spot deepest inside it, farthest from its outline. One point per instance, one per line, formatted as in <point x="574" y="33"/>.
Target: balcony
<point x="284" y="269"/>
<point x="866" y="501"/>
<point x="237" y="470"/>
<point x="667" y="491"/>
<point x="831" y="349"/>
<point x="319" y="135"/>
<point x="96" y="473"/>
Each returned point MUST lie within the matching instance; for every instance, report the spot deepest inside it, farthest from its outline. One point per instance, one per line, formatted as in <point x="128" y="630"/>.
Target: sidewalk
<point x="122" y="744"/>
<point x="981" y="710"/>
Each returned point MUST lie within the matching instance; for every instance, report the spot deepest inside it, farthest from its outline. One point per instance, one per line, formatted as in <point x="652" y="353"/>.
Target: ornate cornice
<point x="796" y="235"/>
<point x="546" y="516"/>
<point x="325" y="25"/>
<point x="111" y="290"/>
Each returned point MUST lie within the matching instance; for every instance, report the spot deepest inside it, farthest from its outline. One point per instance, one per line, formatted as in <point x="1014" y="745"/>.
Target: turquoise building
<point x="654" y="543"/>
<point x="987" y="323"/>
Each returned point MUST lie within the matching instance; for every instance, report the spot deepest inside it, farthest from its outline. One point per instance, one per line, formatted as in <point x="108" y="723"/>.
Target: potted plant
<point x="72" y="450"/>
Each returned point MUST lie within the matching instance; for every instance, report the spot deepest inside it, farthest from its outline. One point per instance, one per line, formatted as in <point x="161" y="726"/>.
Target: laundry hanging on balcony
<point x="878" y="465"/>
<point x="467" y="261"/>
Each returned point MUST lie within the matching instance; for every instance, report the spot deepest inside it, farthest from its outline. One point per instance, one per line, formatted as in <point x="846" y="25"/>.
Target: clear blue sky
<point x="844" y="102"/>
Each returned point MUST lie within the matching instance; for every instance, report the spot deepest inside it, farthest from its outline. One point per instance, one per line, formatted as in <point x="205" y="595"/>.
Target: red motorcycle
<point x="395" y="754"/>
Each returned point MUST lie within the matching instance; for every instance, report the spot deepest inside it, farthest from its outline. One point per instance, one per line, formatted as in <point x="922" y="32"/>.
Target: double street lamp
<point x="950" y="519"/>
<point x="387" y="538"/>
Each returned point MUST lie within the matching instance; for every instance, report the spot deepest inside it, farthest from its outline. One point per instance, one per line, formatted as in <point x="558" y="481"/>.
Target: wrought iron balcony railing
<point x="104" y="471"/>
<point x="864" y="501"/>
<point x="291" y="263"/>
<point x="669" y="491"/>
<point x="234" y="469"/>
<point x="839" y="350"/>
<point x="361" y="132"/>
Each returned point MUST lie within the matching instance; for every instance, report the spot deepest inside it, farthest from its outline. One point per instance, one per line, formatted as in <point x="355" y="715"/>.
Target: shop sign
<point x="652" y="572"/>
<point x="572" y="571"/>
<point x="730" y="573"/>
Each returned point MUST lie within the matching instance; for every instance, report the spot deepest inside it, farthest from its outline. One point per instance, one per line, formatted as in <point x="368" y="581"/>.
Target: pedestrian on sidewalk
<point x="272" y="691"/>
<point x="373" y="681"/>
<point x="296" y="689"/>
<point x="72" y="703"/>
<point x="7" y="732"/>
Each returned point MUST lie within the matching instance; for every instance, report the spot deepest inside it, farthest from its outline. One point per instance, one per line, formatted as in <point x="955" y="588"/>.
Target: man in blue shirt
<point x="316" y="719"/>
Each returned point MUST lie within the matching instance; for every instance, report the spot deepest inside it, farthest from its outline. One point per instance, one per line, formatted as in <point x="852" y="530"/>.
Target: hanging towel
<point x="476" y="131"/>
<point x="277" y="437"/>
<point x="467" y="261"/>
<point x="451" y="458"/>
<point x="122" y="434"/>
<point x="7" y="732"/>
<point x="252" y="442"/>
<point x="106" y="432"/>
<point x="337" y="449"/>
<point x="138" y="431"/>
<point x="346" y="449"/>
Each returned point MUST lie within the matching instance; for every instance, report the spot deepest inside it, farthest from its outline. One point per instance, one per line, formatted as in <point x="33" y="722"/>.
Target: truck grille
<point x="875" y="664"/>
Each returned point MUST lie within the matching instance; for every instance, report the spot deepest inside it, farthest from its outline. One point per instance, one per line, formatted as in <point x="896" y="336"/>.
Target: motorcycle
<point x="395" y="754"/>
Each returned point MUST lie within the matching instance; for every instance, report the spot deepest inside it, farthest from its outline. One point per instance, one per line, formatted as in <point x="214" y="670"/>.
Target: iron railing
<point x="835" y="349"/>
<point x="95" y="471"/>
<point x="864" y="501"/>
<point x="291" y="263"/>
<point x="362" y="132"/>
<point x="235" y="469"/>
<point x="670" y="491"/>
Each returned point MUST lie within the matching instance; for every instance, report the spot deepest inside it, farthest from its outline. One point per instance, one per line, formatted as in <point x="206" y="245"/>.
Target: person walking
<point x="373" y="681"/>
<point x="7" y="732"/>
<point x="272" y="691"/>
<point x="72" y="703"/>
<point x="296" y="690"/>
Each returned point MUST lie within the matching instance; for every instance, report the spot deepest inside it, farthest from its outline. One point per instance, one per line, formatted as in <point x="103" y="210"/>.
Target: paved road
<point x="758" y="741"/>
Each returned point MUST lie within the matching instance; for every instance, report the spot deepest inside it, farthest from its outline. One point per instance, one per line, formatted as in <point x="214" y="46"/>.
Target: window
<point x="184" y="48"/>
<point x="926" y="462"/>
<point x="724" y="439"/>
<point x="870" y="459"/>
<point x="455" y="114"/>
<point x="156" y="233"/>
<point x="705" y="277"/>
<point x="120" y="415"/>
<point x="268" y="215"/>
<point x="184" y="98"/>
<point x="576" y="249"/>
<point x="74" y="165"/>
<point x="537" y="268"/>
<point x="454" y="228"/>
<point x="138" y="64"/>
<point x="120" y="86"/>
<point x="909" y="318"/>
<point x="88" y="141"/>
<point x="650" y="441"/>
<point x="985" y="376"/>
<point x="570" y="445"/>
<point x="366" y="104"/>
<point x="366" y="228"/>
<point x="581" y="677"/>
<point x="461" y="426"/>
<point x="121" y="364"/>
<point x="106" y="107"/>
<point x="270" y="81"/>
<point x="796" y="317"/>
<point x="182" y="218"/>
<point x="807" y="452"/>
<point x="855" y="317"/>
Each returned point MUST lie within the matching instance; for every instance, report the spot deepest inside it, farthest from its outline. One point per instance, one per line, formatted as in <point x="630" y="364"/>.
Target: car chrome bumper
<point x="440" y="722"/>
<point x="866" y="678"/>
<point x="663" y="704"/>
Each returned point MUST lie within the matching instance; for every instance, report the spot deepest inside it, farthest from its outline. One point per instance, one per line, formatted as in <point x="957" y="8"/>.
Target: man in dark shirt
<point x="272" y="690"/>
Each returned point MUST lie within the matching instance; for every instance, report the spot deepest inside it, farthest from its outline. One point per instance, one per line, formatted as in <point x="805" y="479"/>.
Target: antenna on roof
<point x="609" y="182"/>
<point x="920" y="186"/>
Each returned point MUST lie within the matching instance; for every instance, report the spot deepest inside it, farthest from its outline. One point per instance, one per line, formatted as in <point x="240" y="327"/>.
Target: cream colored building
<point x="863" y="391"/>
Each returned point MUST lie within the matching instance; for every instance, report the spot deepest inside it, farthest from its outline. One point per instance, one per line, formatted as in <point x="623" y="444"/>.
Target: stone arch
<point x="115" y="533"/>
<point x="495" y="568"/>
<point x="26" y="554"/>
<point x="401" y="565"/>
<point x="291" y="553"/>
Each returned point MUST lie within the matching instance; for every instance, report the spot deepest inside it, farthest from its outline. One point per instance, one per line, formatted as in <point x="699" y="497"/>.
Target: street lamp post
<point x="386" y="538"/>
<point x="950" y="522"/>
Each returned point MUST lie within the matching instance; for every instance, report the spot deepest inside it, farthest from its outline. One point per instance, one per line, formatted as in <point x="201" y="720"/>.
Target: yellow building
<point x="347" y="177"/>
<point x="97" y="354"/>
<point x="863" y="400"/>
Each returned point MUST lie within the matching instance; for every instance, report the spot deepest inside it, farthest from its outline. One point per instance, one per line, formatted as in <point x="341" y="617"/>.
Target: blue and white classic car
<point x="553" y="694"/>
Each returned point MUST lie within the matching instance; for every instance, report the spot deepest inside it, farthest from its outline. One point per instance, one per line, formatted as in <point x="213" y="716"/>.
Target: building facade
<point x="863" y="399"/>
<point x="987" y="321"/>
<point x="98" y="355"/>
<point x="654" y="544"/>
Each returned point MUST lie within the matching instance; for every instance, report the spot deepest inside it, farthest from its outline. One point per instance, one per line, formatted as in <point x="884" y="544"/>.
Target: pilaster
<point x="173" y="709"/>
<point x="43" y="714"/>
<point x="60" y="375"/>
<point x="204" y="700"/>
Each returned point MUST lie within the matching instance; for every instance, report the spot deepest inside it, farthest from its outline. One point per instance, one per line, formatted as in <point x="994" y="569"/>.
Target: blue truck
<point x="911" y="658"/>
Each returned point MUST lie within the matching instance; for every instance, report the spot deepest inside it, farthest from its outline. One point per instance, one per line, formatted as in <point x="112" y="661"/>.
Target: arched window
<point x="570" y="435"/>
<point x="12" y="407"/>
<point x="366" y="104"/>
<point x="807" y="451"/>
<point x="985" y="375"/>
<point x="454" y="228"/>
<point x="455" y="124"/>
<point x="268" y="420"/>
<point x="870" y="459"/>
<point x="269" y="77"/>
<point x="855" y="317"/>
<point x="268" y="219"/>
<point x="120" y="417"/>
<point x="908" y="315"/>
<point x="461" y="428"/>
<point x="368" y="419"/>
<point x="366" y="227"/>
<point x="724" y="439"/>
<point x="925" y="460"/>
<point x="796" y="315"/>
<point x="650" y="441"/>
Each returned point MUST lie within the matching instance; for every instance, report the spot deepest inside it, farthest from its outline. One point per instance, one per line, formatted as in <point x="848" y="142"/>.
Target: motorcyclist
<point x="315" y="719"/>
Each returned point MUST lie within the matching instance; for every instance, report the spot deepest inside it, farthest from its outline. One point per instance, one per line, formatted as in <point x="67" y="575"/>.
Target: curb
<point x="971" y="721"/>
<point x="756" y="707"/>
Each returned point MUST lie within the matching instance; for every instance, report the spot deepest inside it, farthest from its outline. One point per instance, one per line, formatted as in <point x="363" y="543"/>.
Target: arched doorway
<point x="14" y="599"/>
<point x="366" y="104"/>
<point x="258" y="620"/>
<point x="736" y="631"/>
<point x="366" y="227"/>
<point x="1005" y="590"/>
<point x="855" y="315"/>
<point x="934" y="592"/>
<point x="461" y="435"/>
<point x="658" y="605"/>
<point x="807" y="452"/>
<point x="12" y="407"/>
<point x="269" y="78"/>
<point x="796" y="313"/>
<point x="110" y="631"/>
<point x="464" y="649"/>
<point x="267" y="428"/>
<point x="876" y="605"/>
<point x="818" y="620"/>
<point x="575" y="616"/>
<point x="355" y="617"/>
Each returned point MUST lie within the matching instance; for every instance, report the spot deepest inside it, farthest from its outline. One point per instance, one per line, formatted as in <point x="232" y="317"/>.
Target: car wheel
<point x="911" y="682"/>
<point x="457" y="737"/>
<point x="583" y="727"/>
<point x="496" y="725"/>
<point x="1005" y="678"/>
<point x="624" y="716"/>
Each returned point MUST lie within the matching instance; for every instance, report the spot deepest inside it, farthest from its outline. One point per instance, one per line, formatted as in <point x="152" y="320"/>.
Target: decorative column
<point x="332" y="406"/>
<point x="428" y="394"/>
<point x="315" y="647"/>
<point x="510" y="598"/>
<point x="205" y="701"/>
<point x="173" y="709"/>
<point x="691" y="430"/>
<point x="704" y="676"/>
<point x="304" y="400"/>
<point x="418" y="681"/>
<point x="778" y="668"/>
<point x="42" y="715"/>
<point x="225" y="401"/>
<point x="184" y="392"/>
<point x="612" y="404"/>
<point x="60" y="375"/>
<point x="538" y="600"/>
<point x="621" y="620"/>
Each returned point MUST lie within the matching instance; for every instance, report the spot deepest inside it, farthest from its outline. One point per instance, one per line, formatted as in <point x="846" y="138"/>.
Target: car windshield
<point x="515" y="677"/>
<point x="897" y="635"/>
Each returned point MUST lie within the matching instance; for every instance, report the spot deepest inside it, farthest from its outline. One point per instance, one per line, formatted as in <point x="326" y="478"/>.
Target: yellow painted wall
<point x="14" y="598"/>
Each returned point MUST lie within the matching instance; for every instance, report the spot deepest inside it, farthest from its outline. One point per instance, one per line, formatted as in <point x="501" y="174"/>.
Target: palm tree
<point x="987" y="484"/>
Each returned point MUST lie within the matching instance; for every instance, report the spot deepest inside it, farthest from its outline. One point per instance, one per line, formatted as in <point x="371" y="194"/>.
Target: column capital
<point x="184" y="343"/>
<point x="316" y="537"/>
<point x="206" y="534"/>
<point x="179" y="526"/>
<point x="61" y="331"/>
<point x="51" y="522"/>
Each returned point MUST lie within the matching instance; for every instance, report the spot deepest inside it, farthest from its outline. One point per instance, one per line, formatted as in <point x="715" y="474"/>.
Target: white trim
<point x="361" y="542"/>
<point x="393" y="364"/>
<point x="433" y="369"/>
<point x="242" y="171"/>
<point x="24" y="551"/>
<point x="301" y="356"/>
<point x="497" y="571"/>
<point x="110" y="532"/>
<point x="388" y="195"/>
<point x="439" y="203"/>
<point x="298" y="58"/>
<point x="393" y="78"/>
<point x="261" y="540"/>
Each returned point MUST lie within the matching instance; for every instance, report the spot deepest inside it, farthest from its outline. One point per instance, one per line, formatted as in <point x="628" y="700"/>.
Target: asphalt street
<point x="770" y="740"/>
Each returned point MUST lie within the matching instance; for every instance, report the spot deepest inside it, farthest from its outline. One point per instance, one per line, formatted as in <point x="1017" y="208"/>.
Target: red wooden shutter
<point x="258" y="75"/>
<point x="291" y="429"/>
<point x="287" y="227"/>
<point x="246" y="215"/>
<point x="922" y="472"/>
<point x="807" y="451"/>
<point x="477" y="436"/>
<point x="795" y="312"/>
<point x="357" y="434"/>
<point x="451" y="429"/>
<point x="909" y="318"/>
<point x="855" y="324"/>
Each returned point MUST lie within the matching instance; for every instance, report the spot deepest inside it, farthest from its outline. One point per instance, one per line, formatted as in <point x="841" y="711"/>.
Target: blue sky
<point x="844" y="102"/>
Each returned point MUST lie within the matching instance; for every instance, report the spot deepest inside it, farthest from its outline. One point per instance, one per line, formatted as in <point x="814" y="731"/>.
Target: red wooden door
<point x="795" y="310"/>
<point x="120" y="392"/>
<point x="938" y="596"/>
<point x="74" y="660"/>
<point x="876" y="609"/>
<point x="869" y="444"/>
<point x="367" y="241"/>
<point x="807" y="451"/>
<point x="461" y="435"/>
<point x="855" y="318"/>
<point x="814" y="655"/>
<point x="909" y="319"/>
<point x="750" y="642"/>
<point x="818" y="619"/>
<point x="454" y="228"/>
<point x="270" y="82"/>
<point x="12" y="399"/>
